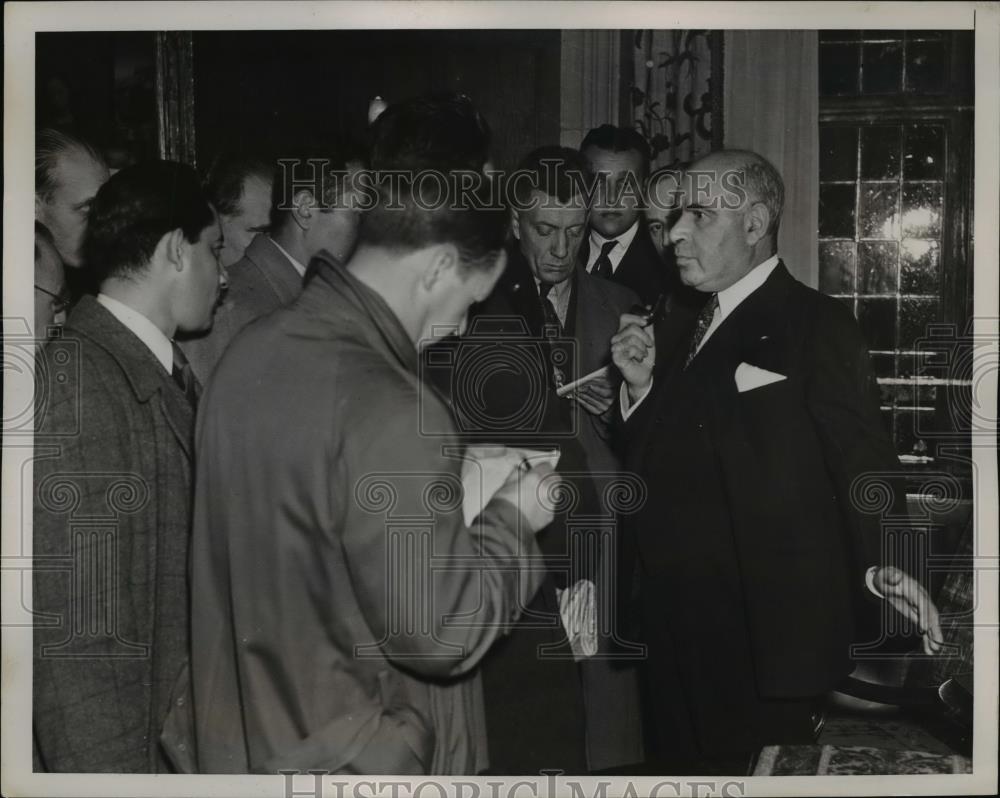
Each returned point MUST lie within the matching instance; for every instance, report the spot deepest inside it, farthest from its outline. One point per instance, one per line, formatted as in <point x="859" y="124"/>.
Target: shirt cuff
<point x="623" y="400"/>
<point x="870" y="582"/>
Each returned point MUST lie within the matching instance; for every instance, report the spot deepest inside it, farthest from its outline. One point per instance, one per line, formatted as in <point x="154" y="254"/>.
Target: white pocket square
<point x="749" y="377"/>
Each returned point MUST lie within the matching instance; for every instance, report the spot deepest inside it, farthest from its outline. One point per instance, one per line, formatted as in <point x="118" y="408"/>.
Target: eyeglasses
<point x="60" y="301"/>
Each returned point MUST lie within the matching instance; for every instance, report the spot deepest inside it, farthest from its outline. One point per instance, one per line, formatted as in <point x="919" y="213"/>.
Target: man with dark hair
<point x="114" y="443"/>
<point x="754" y="432"/>
<point x="311" y="210"/>
<point x="443" y="131"/>
<point x="68" y="172"/>
<point x="239" y="187"/>
<point x="545" y="711"/>
<point x="347" y="471"/>
<point x="619" y="247"/>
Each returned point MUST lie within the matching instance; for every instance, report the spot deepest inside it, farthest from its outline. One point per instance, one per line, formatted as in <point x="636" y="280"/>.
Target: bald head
<point x="731" y="208"/>
<point x="757" y="177"/>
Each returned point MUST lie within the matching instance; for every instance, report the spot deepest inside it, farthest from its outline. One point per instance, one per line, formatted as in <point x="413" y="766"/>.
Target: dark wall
<point x="100" y="86"/>
<point x="272" y="90"/>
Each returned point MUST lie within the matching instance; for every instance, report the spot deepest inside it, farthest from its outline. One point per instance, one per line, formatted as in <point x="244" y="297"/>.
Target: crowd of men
<point x="252" y="550"/>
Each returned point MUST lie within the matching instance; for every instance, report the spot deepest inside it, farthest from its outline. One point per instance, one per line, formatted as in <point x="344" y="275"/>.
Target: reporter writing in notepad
<point x="750" y="431"/>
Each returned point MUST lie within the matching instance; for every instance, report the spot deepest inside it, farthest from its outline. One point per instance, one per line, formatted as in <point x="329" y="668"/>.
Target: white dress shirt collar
<point x="597" y="242"/>
<point x="730" y="298"/>
<point x="143" y="329"/>
<point x="295" y="264"/>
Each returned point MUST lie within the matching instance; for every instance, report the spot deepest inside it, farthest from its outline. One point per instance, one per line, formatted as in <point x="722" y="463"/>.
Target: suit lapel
<point x="591" y="309"/>
<point x="756" y="320"/>
<point x="143" y="372"/>
<point x="278" y="272"/>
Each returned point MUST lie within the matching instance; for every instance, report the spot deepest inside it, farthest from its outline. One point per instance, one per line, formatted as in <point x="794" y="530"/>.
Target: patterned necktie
<point x="184" y="376"/>
<point x="602" y="266"/>
<point x="553" y="325"/>
<point x="701" y="327"/>
<point x="548" y="308"/>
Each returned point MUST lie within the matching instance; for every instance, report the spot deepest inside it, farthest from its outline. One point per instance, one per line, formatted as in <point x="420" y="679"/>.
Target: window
<point x="895" y="213"/>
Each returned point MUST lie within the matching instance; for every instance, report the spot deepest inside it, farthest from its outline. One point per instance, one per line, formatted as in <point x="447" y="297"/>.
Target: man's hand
<point x="634" y="353"/>
<point x="910" y="599"/>
<point x="528" y="489"/>
<point x="596" y="396"/>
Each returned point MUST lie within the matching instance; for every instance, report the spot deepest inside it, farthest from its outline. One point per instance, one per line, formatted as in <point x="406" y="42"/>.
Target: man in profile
<point x="51" y="297"/>
<point x="752" y="431"/>
<point x="313" y="447"/>
<point x="114" y="442"/>
<point x="68" y="172"/>
<point x="239" y="187"/>
<point x="618" y="247"/>
<point x="311" y="210"/>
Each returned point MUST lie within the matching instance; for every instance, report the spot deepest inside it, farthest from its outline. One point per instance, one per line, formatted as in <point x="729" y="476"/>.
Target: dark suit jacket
<point x="642" y="268"/>
<point x="261" y="281"/>
<point x="112" y="490"/>
<point x="770" y="470"/>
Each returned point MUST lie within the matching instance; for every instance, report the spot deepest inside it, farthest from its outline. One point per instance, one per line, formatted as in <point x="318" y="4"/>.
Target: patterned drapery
<point x="675" y="97"/>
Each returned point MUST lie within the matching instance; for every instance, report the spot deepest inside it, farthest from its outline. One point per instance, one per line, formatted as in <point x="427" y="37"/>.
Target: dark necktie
<point x="184" y="376"/>
<point x="554" y="330"/>
<point x="602" y="266"/>
<point x="701" y="327"/>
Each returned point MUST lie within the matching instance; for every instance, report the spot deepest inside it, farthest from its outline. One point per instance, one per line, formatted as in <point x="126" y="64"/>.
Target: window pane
<point x="877" y="318"/>
<point x="907" y="434"/>
<point x="838" y="153"/>
<point x="926" y="67"/>
<point x="914" y="317"/>
<point x="878" y="215"/>
<point x="836" y="211"/>
<point x="877" y="264"/>
<point x="924" y="35"/>
<point x="919" y="264"/>
<point x="880" y="147"/>
<point x="884" y="365"/>
<point x="924" y="153"/>
<point x="882" y="70"/>
<point x="922" y="210"/>
<point x="836" y="267"/>
<point x="839" y="35"/>
<point x="881" y="35"/>
<point x="838" y="69"/>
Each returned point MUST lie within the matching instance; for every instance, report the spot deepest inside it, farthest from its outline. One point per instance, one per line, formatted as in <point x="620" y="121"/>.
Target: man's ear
<point x="303" y="208"/>
<point x="515" y="224"/>
<point x="757" y="220"/>
<point x="176" y="249"/>
<point x="443" y="261"/>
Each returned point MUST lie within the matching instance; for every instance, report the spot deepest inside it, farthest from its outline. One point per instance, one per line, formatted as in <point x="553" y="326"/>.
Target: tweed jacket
<point x="112" y="486"/>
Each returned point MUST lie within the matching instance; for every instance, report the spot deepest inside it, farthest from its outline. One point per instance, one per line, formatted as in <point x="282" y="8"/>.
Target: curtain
<point x="589" y="81"/>
<point x="771" y="105"/>
<point x="673" y="96"/>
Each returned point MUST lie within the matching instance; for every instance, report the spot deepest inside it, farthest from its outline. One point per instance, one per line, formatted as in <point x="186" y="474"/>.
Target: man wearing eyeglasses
<point x="51" y="297"/>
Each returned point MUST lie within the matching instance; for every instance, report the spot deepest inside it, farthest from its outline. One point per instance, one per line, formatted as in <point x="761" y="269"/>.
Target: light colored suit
<point x="263" y="280"/>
